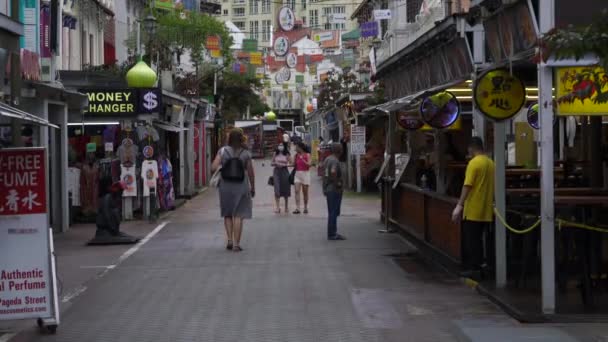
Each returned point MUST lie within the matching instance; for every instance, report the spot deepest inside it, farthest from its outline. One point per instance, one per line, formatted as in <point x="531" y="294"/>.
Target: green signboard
<point x="300" y="79"/>
<point x="250" y="45"/>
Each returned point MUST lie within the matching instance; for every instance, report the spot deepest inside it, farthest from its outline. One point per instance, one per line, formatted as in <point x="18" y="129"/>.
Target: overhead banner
<point x="25" y="276"/>
<point x="323" y="36"/>
<point x="581" y="91"/>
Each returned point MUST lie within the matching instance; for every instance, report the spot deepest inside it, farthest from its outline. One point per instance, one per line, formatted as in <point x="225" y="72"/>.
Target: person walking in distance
<point x="333" y="186"/>
<point x="475" y="206"/>
<point x="282" y="186"/>
<point x="302" y="176"/>
<point x="236" y="187"/>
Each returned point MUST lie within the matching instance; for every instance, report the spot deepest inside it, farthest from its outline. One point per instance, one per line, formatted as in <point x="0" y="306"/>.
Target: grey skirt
<point x="235" y="199"/>
<point x="282" y="188"/>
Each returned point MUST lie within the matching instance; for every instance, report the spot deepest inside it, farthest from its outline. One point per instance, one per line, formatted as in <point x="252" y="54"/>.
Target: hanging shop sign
<point x="312" y="69"/>
<point x="286" y="19"/>
<point x="281" y="46"/>
<point x="323" y="36"/>
<point x="382" y="14"/>
<point x="409" y="120"/>
<point x="440" y="110"/>
<point x="255" y="58"/>
<point x="499" y="95"/>
<point x="116" y="101"/>
<point x="532" y="116"/>
<point x="337" y="18"/>
<point x="283" y="75"/>
<point x="149" y="100"/>
<point x="581" y="91"/>
<point x="300" y="79"/>
<point x="123" y="101"/>
<point x="369" y="29"/>
<point x="26" y="280"/>
<point x="291" y="60"/>
<point x="250" y="45"/>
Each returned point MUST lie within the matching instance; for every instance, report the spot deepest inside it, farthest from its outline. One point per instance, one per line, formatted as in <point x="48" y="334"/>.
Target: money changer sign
<point x="123" y="101"/>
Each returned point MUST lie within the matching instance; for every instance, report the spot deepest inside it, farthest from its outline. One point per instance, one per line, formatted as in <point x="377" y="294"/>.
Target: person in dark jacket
<point x="108" y="212"/>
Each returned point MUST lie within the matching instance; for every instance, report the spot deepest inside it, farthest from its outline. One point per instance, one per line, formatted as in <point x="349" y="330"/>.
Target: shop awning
<point x="12" y="112"/>
<point x="168" y="126"/>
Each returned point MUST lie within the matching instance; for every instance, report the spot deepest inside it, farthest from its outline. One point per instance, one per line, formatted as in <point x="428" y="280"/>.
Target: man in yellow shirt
<point x="475" y="206"/>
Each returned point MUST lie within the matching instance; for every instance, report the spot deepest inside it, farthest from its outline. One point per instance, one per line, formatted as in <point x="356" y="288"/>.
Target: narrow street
<point x="289" y="284"/>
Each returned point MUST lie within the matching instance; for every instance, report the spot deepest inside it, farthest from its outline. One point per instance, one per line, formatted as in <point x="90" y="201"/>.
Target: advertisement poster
<point x="25" y="278"/>
<point x="581" y="91"/>
<point x="357" y="140"/>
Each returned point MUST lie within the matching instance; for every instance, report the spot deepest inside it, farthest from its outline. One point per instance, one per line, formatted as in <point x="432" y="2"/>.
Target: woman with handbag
<point x="302" y="175"/>
<point x="236" y="186"/>
<point x="282" y="186"/>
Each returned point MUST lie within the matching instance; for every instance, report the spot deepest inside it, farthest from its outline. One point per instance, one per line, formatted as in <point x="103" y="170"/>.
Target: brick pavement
<point x="290" y="284"/>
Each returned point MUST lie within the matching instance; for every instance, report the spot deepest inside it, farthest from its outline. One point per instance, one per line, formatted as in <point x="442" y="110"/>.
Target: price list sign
<point x="357" y="140"/>
<point x="25" y="280"/>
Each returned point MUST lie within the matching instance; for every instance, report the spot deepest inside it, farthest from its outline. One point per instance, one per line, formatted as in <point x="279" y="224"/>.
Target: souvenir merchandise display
<point x="149" y="174"/>
<point x="127" y="152"/>
<point x="127" y="176"/>
<point x="74" y="185"/>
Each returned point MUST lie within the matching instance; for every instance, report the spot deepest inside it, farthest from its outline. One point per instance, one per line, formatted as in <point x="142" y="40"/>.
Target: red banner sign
<point x="22" y="182"/>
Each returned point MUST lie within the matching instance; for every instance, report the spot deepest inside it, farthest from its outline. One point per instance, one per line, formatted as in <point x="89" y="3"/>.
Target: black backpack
<point x="233" y="169"/>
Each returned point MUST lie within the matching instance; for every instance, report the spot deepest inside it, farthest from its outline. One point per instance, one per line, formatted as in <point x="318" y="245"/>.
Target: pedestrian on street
<point x="475" y="206"/>
<point x="236" y="187"/>
<point x="282" y="186"/>
<point x="333" y="186"/>
<point x="302" y="176"/>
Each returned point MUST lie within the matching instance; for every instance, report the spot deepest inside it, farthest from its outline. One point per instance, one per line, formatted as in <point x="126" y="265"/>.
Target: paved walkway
<point x="290" y="284"/>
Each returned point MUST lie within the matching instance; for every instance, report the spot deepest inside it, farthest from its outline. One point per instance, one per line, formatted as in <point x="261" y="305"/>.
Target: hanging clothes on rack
<point x="89" y="188"/>
<point x="166" y="195"/>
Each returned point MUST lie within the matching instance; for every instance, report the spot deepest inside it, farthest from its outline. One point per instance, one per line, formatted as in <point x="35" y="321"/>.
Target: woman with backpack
<point x="282" y="186"/>
<point x="236" y="187"/>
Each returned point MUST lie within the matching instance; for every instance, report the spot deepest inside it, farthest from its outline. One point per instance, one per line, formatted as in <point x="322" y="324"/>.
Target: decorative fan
<point x="440" y="110"/>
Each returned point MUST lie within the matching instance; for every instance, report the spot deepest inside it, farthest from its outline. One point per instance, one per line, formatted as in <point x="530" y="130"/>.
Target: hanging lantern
<point x="270" y="116"/>
<point x="141" y="76"/>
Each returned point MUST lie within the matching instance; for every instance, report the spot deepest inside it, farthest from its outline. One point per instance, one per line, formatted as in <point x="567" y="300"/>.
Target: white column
<point x="500" y="201"/>
<point x="547" y="242"/>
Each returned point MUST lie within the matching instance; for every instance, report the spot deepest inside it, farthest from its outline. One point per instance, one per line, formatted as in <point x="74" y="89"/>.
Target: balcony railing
<point x="402" y="33"/>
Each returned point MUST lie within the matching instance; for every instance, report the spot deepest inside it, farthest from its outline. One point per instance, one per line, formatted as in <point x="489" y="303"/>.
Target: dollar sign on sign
<point x="150" y="101"/>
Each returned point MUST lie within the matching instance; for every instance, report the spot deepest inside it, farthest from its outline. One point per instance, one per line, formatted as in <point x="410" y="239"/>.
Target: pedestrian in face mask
<point x="282" y="187"/>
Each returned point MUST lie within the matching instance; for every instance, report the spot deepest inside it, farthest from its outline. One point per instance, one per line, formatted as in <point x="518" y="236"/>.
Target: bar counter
<point x="426" y="216"/>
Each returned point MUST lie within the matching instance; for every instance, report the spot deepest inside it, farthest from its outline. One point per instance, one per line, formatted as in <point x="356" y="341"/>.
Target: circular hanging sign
<point x="532" y="116"/>
<point x="148" y="152"/>
<point x="287" y="19"/>
<point x="292" y="60"/>
<point x="440" y="110"/>
<point x="283" y="75"/>
<point x="281" y="46"/>
<point x="410" y="121"/>
<point x="499" y="95"/>
<point x="278" y="78"/>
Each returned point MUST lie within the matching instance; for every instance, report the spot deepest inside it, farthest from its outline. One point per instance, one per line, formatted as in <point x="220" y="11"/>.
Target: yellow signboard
<point x="581" y="91"/>
<point x="215" y="53"/>
<point x="255" y="58"/>
<point x="499" y="95"/>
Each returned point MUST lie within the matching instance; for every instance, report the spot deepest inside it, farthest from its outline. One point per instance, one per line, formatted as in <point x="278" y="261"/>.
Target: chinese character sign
<point x="582" y="91"/>
<point x="22" y="182"/>
<point x="25" y="278"/>
<point x="499" y="94"/>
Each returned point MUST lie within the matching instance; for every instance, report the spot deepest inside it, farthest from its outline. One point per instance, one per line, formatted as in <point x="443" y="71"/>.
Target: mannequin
<point x="89" y="182"/>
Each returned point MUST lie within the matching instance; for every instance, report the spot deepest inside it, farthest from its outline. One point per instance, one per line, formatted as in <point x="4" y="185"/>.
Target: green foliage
<point x="336" y="86"/>
<point x="180" y="31"/>
<point x="576" y="42"/>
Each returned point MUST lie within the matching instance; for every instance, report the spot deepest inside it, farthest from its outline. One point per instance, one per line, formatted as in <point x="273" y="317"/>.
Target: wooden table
<point x="589" y="200"/>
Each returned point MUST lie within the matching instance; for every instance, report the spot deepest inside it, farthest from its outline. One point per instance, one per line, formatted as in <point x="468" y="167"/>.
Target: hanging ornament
<point x="141" y="76"/>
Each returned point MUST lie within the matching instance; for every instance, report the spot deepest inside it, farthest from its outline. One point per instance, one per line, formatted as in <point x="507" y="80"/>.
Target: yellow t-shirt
<point x="480" y="202"/>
